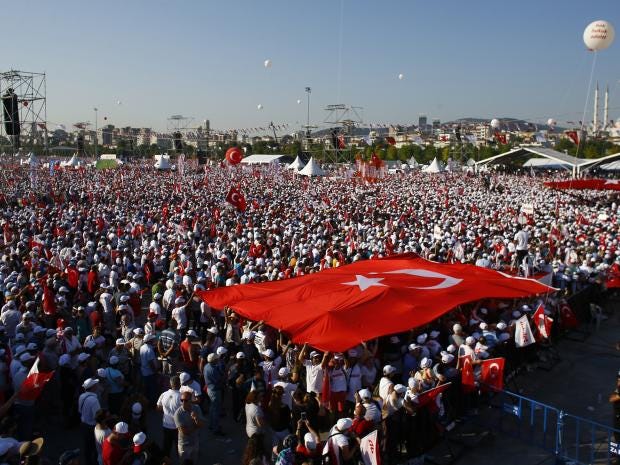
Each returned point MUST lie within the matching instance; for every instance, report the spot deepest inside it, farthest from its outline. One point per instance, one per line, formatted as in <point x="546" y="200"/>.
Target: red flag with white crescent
<point x="492" y="373"/>
<point x="337" y="308"/>
<point x="542" y="322"/>
<point x="34" y="383"/>
<point x="236" y="199"/>
<point x="468" y="381"/>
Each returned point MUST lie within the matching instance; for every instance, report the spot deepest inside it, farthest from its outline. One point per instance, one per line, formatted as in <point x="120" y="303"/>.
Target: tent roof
<point x="543" y="163"/>
<point x="613" y="166"/>
<point x="297" y="164"/>
<point x="550" y="154"/>
<point x="263" y="159"/>
<point x="312" y="168"/>
<point x="434" y="167"/>
<point x="413" y="162"/>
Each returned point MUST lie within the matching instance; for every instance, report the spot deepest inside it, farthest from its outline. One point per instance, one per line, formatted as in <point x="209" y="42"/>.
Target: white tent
<point x="312" y="168"/>
<point x="74" y="162"/>
<point x="162" y="162"/>
<point x="613" y="166"/>
<point x="434" y="167"/>
<point x="544" y="163"/>
<point x="296" y="165"/>
<point x="413" y="163"/>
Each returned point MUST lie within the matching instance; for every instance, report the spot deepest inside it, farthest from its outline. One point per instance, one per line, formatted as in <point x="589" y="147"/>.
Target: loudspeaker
<point x="177" y="141"/>
<point x="80" y="144"/>
<point x="10" y="110"/>
<point x="202" y="157"/>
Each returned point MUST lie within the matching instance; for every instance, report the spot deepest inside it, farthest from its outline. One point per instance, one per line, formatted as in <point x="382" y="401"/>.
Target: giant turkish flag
<point x="337" y="308"/>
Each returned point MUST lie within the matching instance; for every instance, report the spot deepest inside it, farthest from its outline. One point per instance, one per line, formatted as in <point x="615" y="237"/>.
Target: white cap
<point x="101" y="372"/>
<point x="501" y="326"/>
<point x="309" y="441"/>
<point x="451" y="348"/>
<point x="121" y="428"/>
<point x="434" y="334"/>
<point x="64" y="360"/>
<point x="138" y="331"/>
<point x="240" y="356"/>
<point x="120" y="341"/>
<point x="83" y="356"/>
<point x="192" y="333"/>
<point x="89" y="383"/>
<point x="221" y="350"/>
<point x="400" y="389"/>
<point x="426" y="362"/>
<point x="483" y="326"/>
<point x="469" y="340"/>
<point x="447" y="358"/>
<point x="212" y="330"/>
<point x="269" y="353"/>
<point x="388" y="370"/>
<point x="422" y="338"/>
<point x="284" y="371"/>
<point x="344" y="424"/>
<point x="139" y="438"/>
<point x="211" y="358"/>
<point x="365" y="394"/>
<point x="185" y="377"/>
<point x="136" y="408"/>
<point x="149" y="338"/>
<point x="457" y="327"/>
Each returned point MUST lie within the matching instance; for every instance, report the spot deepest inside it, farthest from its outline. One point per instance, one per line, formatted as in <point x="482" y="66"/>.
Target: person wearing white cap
<point x="337" y="384"/>
<point x="371" y="406"/>
<point x="148" y="368"/>
<point x="458" y="336"/>
<point x="338" y="439"/>
<point x="188" y="349"/>
<point x="168" y="403"/>
<point x="315" y="369"/>
<point x="88" y="406"/>
<point x="270" y="365"/>
<point x="116" y="385"/>
<point x="288" y="388"/>
<point x="425" y="374"/>
<point x="179" y="313"/>
<point x="115" y="445"/>
<point x="353" y="372"/>
<point x="386" y="383"/>
<point x="189" y="420"/>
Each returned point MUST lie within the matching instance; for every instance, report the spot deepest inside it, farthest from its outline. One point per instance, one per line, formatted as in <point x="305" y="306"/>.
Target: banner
<point x="369" y="449"/>
<point x="523" y="333"/>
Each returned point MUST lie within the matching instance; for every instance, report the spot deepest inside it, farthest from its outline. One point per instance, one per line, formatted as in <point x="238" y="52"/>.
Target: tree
<point x="391" y="153"/>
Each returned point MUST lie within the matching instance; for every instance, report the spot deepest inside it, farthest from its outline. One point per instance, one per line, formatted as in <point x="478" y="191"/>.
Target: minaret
<point x="606" y="108"/>
<point x="595" y="128"/>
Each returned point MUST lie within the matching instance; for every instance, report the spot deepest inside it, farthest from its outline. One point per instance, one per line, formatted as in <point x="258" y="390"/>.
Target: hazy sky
<point x="204" y="59"/>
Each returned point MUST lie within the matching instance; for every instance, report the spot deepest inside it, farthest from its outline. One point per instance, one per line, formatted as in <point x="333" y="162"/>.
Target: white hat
<point x="269" y="353"/>
<point x="501" y="326"/>
<point x="101" y="372"/>
<point x="344" y="424"/>
<point x="309" y="441"/>
<point x="314" y="353"/>
<point x="185" y="377"/>
<point x="451" y="348"/>
<point x="400" y="389"/>
<point x="247" y="335"/>
<point x="90" y="344"/>
<point x="483" y="326"/>
<point x="211" y="358"/>
<point x="422" y="338"/>
<point x="138" y="331"/>
<point x="388" y="370"/>
<point x="365" y="394"/>
<point x="221" y="350"/>
<point x="124" y="298"/>
<point x="457" y="327"/>
<point x="64" y="360"/>
<point x="149" y="338"/>
<point x="179" y="301"/>
<point x="240" y="356"/>
<point x="212" y="330"/>
<point x="447" y="358"/>
<point x="157" y="296"/>
<point x="121" y="428"/>
<point x="526" y="308"/>
<point x="120" y="341"/>
<point x="469" y="340"/>
<point x="192" y="333"/>
<point x="426" y="362"/>
<point x="89" y="383"/>
<point x="136" y="408"/>
<point x="139" y="438"/>
<point x="413" y="346"/>
<point x="338" y="357"/>
<point x="83" y="356"/>
<point x="434" y="334"/>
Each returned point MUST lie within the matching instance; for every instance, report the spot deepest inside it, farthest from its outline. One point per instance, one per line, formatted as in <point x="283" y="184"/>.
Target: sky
<point x="204" y="59"/>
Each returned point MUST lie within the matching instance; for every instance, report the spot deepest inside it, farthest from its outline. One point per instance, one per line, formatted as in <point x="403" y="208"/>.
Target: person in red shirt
<point x="361" y="427"/>
<point x="189" y="352"/>
<point x="116" y="447"/>
<point x="95" y="318"/>
<point x="309" y="445"/>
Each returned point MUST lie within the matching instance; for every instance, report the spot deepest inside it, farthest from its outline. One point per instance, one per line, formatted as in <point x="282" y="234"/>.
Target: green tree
<point x="391" y="153"/>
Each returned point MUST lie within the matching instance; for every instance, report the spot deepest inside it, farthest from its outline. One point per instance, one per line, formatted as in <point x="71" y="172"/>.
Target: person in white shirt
<point x="315" y="369"/>
<point x="168" y="403"/>
<point x="289" y="388"/>
<point x="337" y="385"/>
<point x="88" y="406"/>
<point x="102" y="431"/>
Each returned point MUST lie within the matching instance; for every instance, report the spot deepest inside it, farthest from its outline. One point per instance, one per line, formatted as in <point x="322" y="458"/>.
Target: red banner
<point x="338" y="307"/>
<point x="594" y="184"/>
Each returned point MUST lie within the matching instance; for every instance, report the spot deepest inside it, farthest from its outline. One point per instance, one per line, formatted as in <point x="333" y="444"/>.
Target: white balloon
<point x="267" y="63"/>
<point x="401" y="76"/>
<point x="298" y="101"/>
<point x="494" y="123"/>
<point x="551" y="122"/>
<point x="598" y="35"/>
<point x="259" y="106"/>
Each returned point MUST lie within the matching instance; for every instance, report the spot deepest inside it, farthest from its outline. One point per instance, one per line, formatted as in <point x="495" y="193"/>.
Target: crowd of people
<point x="99" y="272"/>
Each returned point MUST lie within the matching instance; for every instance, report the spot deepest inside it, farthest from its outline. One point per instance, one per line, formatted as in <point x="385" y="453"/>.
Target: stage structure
<point x="177" y="125"/>
<point x="343" y="119"/>
<point x="24" y="109"/>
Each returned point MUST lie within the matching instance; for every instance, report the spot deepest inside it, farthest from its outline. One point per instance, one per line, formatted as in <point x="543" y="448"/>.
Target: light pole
<point x="96" y="136"/>
<point x="308" y="91"/>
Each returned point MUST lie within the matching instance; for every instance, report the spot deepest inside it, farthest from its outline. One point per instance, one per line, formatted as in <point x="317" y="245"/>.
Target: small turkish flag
<point x="468" y="381"/>
<point x="430" y="397"/>
<point x="34" y="383"/>
<point x="568" y="318"/>
<point x="236" y="199"/>
<point x="542" y="322"/>
<point x="574" y="136"/>
<point x="492" y="373"/>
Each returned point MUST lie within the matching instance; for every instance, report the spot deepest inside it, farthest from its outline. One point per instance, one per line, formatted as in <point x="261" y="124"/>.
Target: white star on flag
<point x="364" y="283"/>
<point x="611" y="181"/>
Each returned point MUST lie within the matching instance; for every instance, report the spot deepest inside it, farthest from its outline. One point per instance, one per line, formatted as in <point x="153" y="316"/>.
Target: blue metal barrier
<point x="569" y="438"/>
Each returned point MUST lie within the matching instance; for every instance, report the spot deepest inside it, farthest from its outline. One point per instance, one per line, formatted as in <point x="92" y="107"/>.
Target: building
<point x="106" y="137"/>
<point x="482" y="132"/>
<point x="144" y="137"/>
